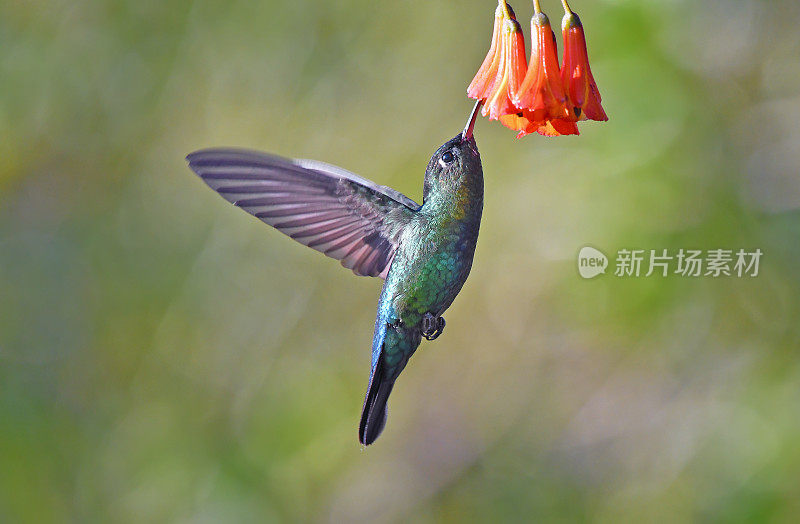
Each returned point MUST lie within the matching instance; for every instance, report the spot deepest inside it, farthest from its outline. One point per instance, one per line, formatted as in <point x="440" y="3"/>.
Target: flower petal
<point x="541" y="90"/>
<point x="512" y="69"/>
<point x="558" y="127"/>
<point x="576" y="75"/>
<point x="481" y="85"/>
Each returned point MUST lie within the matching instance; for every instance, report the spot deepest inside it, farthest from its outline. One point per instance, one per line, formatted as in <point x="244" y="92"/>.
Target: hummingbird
<point x="423" y="252"/>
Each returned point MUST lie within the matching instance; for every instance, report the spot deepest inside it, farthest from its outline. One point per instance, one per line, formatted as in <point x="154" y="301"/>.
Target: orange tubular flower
<point x="481" y="85"/>
<point x="510" y="73"/>
<point x="576" y="76"/>
<point x="541" y="91"/>
<point x="536" y="96"/>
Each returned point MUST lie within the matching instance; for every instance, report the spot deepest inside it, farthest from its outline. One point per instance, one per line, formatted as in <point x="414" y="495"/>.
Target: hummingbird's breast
<point x="430" y="267"/>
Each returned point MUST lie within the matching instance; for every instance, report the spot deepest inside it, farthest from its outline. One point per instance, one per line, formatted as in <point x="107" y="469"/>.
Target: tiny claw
<point x="432" y="326"/>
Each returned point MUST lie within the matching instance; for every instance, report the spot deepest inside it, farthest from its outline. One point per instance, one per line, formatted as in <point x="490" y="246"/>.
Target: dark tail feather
<point x="373" y="415"/>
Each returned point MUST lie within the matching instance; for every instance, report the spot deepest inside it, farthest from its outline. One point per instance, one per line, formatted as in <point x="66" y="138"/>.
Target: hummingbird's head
<point x="456" y="165"/>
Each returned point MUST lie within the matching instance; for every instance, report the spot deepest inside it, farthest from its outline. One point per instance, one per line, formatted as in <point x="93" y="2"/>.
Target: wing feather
<point x="320" y="205"/>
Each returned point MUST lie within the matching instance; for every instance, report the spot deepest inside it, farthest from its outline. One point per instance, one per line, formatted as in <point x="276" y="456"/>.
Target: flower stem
<point x="567" y="10"/>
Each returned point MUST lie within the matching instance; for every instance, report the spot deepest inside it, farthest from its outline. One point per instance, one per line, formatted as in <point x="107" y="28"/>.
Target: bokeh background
<point x="165" y="357"/>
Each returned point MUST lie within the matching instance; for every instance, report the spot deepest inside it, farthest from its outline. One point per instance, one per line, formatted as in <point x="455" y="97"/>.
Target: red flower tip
<point x="525" y="123"/>
<point x="509" y="76"/>
<point x="557" y="127"/>
<point x="576" y="75"/>
<point x="541" y="92"/>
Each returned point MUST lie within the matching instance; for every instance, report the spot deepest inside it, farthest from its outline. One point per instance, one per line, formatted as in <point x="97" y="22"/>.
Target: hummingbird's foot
<point x="432" y="326"/>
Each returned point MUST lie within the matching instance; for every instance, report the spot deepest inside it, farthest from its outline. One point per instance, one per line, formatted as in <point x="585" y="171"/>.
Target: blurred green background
<point x="165" y="357"/>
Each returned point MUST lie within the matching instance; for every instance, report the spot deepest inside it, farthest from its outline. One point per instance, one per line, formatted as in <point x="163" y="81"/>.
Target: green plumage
<point x="424" y="252"/>
<point x="430" y="266"/>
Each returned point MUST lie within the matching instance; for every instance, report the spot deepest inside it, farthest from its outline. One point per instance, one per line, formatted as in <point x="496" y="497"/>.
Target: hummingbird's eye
<point x="447" y="158"/>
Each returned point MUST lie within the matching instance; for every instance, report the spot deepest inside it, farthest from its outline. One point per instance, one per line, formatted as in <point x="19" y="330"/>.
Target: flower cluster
<point x="537" y="96"/>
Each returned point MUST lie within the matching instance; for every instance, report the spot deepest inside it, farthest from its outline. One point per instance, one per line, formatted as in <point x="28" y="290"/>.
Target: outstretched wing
<point x="325" y="207"/>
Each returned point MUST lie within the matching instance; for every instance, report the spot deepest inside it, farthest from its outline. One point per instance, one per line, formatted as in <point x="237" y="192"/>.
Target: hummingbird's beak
<point x="467" y="133"/>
